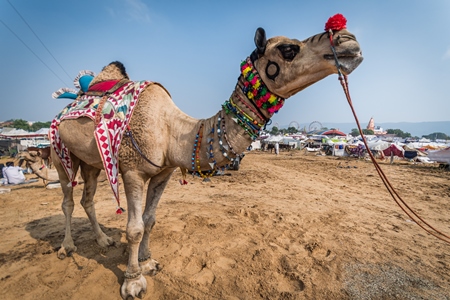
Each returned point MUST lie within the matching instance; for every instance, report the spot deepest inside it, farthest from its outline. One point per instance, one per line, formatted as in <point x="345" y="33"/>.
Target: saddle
<point x="105" y="88"/>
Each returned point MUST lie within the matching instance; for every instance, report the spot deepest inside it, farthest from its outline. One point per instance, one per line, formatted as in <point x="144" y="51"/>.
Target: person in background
<point x="12" y="174"/>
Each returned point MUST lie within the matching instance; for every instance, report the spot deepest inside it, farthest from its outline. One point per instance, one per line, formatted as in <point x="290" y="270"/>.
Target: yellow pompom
<point x="272" y="99"/>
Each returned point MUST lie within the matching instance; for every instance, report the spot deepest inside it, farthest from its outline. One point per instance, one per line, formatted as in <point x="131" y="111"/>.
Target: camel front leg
<point x="155" y="189"/>
<point x="90" y="175"/>
<point x="135" y="284"/>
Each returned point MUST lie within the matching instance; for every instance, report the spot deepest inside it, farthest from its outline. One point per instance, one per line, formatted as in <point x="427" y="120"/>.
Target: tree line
<point x="25" y="125"/>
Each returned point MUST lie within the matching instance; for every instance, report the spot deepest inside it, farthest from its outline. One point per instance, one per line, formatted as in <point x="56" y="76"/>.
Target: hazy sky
<point x="194" y="48"/>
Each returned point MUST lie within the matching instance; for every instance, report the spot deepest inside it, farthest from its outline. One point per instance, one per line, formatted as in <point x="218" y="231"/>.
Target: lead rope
<point x="397" y="198"/>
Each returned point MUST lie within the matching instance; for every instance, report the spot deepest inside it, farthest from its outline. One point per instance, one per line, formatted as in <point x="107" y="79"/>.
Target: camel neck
<point x="222" y="137"/>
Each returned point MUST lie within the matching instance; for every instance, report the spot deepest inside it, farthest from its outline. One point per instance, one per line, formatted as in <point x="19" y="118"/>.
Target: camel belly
<point x="78" y="136"/>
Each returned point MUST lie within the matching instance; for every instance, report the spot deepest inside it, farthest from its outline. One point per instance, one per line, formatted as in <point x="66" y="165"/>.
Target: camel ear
<point x="39" y="153"/>
<point x="260" y="40"/>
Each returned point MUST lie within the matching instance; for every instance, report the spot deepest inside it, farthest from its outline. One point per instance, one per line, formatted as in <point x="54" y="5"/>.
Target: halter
<point x="397" y="198"/>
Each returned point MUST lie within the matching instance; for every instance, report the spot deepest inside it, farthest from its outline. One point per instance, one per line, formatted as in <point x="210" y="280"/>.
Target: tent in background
<point x="394" y="150"/>
<point x="440" y="156"/>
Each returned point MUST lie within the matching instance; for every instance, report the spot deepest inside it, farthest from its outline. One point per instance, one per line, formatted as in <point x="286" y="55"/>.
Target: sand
<point x="282" y="227"/>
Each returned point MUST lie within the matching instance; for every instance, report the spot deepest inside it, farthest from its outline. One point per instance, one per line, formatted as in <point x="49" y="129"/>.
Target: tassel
<point x="183" y="174"/>
<point x="120" y="210"/>
<point x="83" y="80"/>
<point x="72" y="184"/>
<point x="65" y="93"/>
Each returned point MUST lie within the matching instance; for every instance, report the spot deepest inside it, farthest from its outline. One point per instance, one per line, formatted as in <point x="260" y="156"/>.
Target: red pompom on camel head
<point x="336" y="22"/>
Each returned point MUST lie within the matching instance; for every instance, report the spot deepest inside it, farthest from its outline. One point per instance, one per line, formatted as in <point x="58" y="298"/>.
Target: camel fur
<point x="166" y="137"/>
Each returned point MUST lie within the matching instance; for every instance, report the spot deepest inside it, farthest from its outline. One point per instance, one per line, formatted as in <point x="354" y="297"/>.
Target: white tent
<point x="339" y="149"/>
<point x="440" y="156"/>
<point x="378" y="145"/>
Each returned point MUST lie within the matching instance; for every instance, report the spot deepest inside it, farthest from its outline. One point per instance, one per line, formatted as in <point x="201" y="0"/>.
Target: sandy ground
<point x="282" y="227"/>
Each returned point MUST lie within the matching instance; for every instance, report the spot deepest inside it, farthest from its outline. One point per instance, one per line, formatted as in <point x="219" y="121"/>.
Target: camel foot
<point x="65" y="252"/>
<point x="105" y="241"/>
<point x="150" y="267"/>
<point x="134" y="287"/>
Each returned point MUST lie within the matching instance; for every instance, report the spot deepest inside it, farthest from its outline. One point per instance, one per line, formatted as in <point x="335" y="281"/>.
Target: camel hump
<point x="114" y="71"/>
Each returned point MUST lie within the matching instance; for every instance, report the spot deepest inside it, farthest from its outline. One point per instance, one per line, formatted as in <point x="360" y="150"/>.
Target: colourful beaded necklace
<point x="224" y="148"/>
<point x="196" y="156"/>
<point x="255" y="89"/>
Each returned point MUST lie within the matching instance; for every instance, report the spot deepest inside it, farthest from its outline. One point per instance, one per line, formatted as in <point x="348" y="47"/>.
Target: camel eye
<point x="289" y="51"/>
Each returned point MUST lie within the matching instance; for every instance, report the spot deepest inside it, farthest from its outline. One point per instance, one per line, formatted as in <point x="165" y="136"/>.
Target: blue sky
<point x="194" y="48"/>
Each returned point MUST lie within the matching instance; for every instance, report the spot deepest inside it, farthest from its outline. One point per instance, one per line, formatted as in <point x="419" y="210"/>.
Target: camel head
<point x="287" y="66"/>
<point x="31" y="157"/>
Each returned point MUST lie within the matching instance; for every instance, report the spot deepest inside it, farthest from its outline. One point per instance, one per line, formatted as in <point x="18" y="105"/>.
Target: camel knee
<point x="67" y="208"/>
<point x="135" y="233"/>
<point x="149" y="223"/>
<point x="86" y="203"/>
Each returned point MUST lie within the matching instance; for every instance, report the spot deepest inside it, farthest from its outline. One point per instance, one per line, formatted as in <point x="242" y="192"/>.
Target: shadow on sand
<point x="50" y="232"/>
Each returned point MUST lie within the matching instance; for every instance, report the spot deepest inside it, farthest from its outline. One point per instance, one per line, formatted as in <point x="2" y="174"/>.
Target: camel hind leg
<point x="90" y="175"/>
<point x="155" y="189"/>
<point x="67" y="246"/>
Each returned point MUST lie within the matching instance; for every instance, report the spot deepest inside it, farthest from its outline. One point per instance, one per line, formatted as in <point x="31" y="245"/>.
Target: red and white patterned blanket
<point x="116" y="113"/>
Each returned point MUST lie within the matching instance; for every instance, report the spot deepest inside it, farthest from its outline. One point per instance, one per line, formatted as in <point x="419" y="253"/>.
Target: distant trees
<point x="38" y="125"/>
<point x="22" y="124"/>
<point x="399" y="133"/>
<point x="355" y="132"/>
<point x="274" y="130"/>
<point x="437" y="136"/>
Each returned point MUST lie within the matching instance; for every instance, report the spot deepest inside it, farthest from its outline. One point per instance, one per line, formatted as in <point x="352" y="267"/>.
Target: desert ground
<point x="291" y="226"/>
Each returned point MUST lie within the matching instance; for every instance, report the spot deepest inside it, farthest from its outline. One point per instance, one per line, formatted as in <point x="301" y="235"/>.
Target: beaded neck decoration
<point x="255" y="89"/>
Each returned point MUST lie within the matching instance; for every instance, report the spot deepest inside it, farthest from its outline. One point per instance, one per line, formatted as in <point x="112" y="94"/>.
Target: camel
<point x="35" y="162"/>
<point x="164" y="138"/>
<point x="44" y="154"/>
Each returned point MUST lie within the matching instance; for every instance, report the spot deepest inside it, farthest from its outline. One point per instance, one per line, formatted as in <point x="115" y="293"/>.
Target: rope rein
<point x="397" y="198"/>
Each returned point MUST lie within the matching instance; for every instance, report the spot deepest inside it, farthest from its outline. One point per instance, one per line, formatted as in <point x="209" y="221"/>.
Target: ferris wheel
<point x="294" y="124"/>
<point x="315" y="126"/>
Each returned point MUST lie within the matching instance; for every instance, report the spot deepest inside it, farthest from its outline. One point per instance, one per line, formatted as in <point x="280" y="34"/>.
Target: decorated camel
<point x="148" y="137"/>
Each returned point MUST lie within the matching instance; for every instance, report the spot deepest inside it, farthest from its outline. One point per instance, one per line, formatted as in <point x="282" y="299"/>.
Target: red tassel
<point x="183" y="182"/>
<point x="336" y="22"/>
<point x="120" y="210"/>
<point x="72" y="184"/>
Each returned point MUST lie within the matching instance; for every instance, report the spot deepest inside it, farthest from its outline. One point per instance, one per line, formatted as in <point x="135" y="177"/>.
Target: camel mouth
<point x="348" y="61"/>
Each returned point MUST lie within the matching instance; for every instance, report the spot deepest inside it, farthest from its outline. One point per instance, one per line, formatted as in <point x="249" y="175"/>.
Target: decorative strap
<point x="129" y="134"/>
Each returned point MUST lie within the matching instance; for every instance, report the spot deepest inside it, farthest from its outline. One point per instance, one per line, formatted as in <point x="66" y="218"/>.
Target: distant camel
<point x="44" y="153"/>
<point x="36" y="163"/>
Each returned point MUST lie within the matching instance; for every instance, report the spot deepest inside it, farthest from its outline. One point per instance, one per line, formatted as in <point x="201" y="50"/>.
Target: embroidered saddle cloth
<point x="110" y="105"/>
